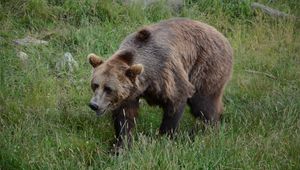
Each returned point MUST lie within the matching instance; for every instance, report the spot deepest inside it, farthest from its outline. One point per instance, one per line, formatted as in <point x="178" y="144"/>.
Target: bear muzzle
<point x="94" y="106"/>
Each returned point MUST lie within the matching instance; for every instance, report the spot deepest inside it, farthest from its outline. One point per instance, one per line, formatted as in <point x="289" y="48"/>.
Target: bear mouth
<point x="100" y="112"/>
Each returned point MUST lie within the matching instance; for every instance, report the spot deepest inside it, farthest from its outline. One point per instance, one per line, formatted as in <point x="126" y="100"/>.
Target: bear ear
<point x="134" y="71"/>
<point x="94" y="60"/>
<point x="126" y="56"/>
<point x="143" y="35"/>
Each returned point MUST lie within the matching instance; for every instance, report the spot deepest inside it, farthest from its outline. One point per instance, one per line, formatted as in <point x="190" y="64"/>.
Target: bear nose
<point x="93" y="106"/>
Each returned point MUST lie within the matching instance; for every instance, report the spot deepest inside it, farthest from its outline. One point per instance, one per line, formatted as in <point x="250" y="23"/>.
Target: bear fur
<point x="170" y="64"/>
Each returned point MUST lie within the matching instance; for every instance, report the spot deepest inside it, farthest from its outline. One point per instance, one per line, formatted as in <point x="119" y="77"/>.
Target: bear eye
<point x="107" y="89"/>
<point x="95" y="86"/>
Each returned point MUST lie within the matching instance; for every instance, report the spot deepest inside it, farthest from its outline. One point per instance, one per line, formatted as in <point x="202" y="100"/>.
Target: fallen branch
<point x="30" y="41"/>
<point x="261" y="73"/>
<point x="269" y="11"/>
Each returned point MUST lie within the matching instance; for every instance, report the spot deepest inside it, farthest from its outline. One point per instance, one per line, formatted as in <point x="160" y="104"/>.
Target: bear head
<point x="113" y="81"/>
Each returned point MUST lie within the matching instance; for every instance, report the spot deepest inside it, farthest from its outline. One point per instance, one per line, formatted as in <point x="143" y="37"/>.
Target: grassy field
<point x="45" y="122"/>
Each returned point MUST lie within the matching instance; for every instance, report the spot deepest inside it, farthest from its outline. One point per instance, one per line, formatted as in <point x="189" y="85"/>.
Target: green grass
<point x="46" y="124"/>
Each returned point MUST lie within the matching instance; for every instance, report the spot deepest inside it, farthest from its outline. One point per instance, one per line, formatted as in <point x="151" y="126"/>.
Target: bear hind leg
<point x="207" y="107"/>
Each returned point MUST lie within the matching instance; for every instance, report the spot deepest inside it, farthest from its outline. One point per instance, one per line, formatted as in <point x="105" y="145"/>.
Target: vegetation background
<point x="45" y="122"/>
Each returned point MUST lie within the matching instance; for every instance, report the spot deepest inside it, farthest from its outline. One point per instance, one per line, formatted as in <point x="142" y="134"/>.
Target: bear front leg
<point x="124" y="122"/>
<point x="171" y="117"/>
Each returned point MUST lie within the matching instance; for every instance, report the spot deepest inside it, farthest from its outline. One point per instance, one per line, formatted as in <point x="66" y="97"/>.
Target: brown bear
<point x="169" y="64"/>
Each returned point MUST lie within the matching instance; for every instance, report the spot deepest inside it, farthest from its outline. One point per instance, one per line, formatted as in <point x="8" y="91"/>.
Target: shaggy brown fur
<point x="170" y="63"/>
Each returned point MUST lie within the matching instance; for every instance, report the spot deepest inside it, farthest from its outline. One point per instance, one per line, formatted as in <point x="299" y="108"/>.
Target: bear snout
<point x="93" y="106"/>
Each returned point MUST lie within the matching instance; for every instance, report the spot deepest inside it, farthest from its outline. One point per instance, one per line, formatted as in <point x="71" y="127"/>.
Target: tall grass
<point x="45" y="123"/>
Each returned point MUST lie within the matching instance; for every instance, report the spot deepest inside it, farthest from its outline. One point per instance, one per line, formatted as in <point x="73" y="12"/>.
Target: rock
<point x="67" y="63"/>
<point x="30" y="41"/>
<point x="175" y="5"/>
<point x="23" y="57"/>
<point x="268" y="10"/>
